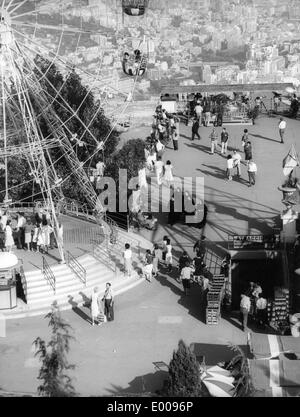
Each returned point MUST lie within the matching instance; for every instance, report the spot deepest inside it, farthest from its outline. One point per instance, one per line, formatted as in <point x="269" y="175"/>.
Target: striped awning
<point x="275" y="375"/>
<point x="267" y="346"/>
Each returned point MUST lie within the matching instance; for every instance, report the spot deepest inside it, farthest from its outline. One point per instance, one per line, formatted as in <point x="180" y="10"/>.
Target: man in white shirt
<point x="199" y="111"/>
<point x="237" y="162"/>
<point x="20" y="230"/>
<point x="252" y="170"/>
<point x="245" y="308"/>
<point x="229" y="167"/>
<point x="261" y="310"/>
<point x="282" y="127"/>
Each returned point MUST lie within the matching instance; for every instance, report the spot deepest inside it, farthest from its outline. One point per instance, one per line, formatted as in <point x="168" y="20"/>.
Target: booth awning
<point x="215" y="88"/>
<point x="266" y="346"/>
<point x="8" y="260"/>
<point x="274" y="374"/>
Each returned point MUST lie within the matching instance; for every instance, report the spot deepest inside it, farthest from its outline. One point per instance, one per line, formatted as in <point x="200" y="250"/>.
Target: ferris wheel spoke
<point x="71" y="68"/>
<point x="65" y="105"/>
<point x="36" y="47"/>
<point x="18" y="6"/>
<point x="56" y="28"/>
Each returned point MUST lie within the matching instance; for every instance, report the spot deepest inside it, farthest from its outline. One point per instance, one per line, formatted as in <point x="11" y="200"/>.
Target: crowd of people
<point x="161" y="257"/>
<point x="34" y="233"/>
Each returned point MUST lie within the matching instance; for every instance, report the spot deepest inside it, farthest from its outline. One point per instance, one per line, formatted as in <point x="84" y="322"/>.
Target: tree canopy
<point x="53" y="355"/>
<point x="70" y="105"/>
<point x="184" y="377"/>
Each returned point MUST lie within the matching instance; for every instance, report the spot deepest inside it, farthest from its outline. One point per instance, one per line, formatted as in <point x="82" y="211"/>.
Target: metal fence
<point x="48" y="274"/>
<point x="76" y="267"/>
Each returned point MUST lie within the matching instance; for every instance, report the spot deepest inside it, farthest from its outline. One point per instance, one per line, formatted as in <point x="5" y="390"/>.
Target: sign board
<point x="169" y="106"/>
<point x="267" y="242"/>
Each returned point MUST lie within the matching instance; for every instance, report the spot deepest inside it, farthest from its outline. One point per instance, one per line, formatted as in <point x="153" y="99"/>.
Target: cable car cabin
<point x="135" y="64"/>
<point x="134" y="7"/>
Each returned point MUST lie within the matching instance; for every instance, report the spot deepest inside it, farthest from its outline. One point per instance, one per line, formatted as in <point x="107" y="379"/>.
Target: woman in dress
<point x="41" y="238"/>
<point x="168" y="176"/>
<point x="108" y="299"/>
<point x="127" y="255"/>
<point x="164" y="248"/>
<point x="169" y="256"/>
<point x="36" y="231"/>
<point x="28" y="234"/>
<point x="156" y="258"/>
<point x="148" y="268"/>
<point x="95" y="306"/>
<point x="159" y="167"/>
<point x="9" y="240"/>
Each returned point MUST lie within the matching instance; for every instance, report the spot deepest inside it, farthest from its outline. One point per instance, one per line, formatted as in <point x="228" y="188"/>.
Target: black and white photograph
<point x="149" y="201"/>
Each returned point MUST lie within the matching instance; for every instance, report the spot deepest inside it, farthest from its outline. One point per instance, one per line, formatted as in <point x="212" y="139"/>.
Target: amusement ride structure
<point x="25" y="102"/>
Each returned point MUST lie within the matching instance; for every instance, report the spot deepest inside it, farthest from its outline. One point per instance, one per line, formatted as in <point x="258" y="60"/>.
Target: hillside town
<point x="149" y="201"/>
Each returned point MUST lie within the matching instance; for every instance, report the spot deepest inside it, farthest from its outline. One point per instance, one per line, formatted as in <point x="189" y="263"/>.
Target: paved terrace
<point x="233" y="207"/>
<point x="150" y="319"/>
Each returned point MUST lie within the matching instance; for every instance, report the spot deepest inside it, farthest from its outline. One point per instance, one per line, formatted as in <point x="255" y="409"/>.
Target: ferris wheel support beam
<point x="34" y="140"/>
<point x="66" y="105"/>
<point x="4" y="132"/>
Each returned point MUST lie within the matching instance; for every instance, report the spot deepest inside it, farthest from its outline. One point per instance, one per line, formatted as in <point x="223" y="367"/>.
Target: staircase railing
<point x="102" y="255"/>
<point x="76" y="267"/>
<point x="212" y="261"/>
<point x="48" y="274"/>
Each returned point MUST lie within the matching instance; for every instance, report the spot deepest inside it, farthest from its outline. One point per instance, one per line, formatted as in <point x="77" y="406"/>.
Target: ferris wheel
<point x="55" y="32"/>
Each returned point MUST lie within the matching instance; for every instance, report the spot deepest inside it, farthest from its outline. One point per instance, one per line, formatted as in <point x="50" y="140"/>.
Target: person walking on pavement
<point x="224" y="140"/>
<point x="282" y="127"/>
<point x="252" y="170"/>
<point x="195" y="129"/>
<point x="159" y="168"/>
<point x="198" y="111"/>
<point x="127" y="255"/>
<point x="148" y="265"/>
<point x="214" y="140"/>
<point x="156" y="253"/>
<point x="237" y="162"/>
<point x="229" y="167"/>
<point x="108" y="299"/>
<point x="174" y="136"/>
<point x="248" y="151"/>
<point x="184" y="258"/>
<point x="169" y="256"/>
<point x="245" y="137"/>
<point x="95" y="306"/>
<point x="185" y="277"/>
<point x="245" y="308"/>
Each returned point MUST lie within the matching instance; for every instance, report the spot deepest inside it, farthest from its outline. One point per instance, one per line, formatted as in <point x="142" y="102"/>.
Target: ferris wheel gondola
<point x="134" y="7"/>
<point x="135" y="64"/>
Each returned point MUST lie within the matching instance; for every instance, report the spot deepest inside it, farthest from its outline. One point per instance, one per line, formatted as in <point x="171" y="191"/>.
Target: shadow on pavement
<point x="213" y="354"/>
<point x="148" y="384"/>
<point x="193" y="302"/>
<point x="79" y="311"/>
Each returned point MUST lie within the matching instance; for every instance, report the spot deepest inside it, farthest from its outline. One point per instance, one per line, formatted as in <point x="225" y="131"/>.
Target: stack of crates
<point x="214" y="299"/>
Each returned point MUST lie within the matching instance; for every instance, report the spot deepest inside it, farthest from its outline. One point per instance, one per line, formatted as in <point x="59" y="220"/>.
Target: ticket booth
<point x="8" y="292"/>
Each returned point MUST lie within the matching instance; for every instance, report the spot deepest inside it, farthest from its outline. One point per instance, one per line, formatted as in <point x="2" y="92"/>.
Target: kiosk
<point x="8" y="292"/>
